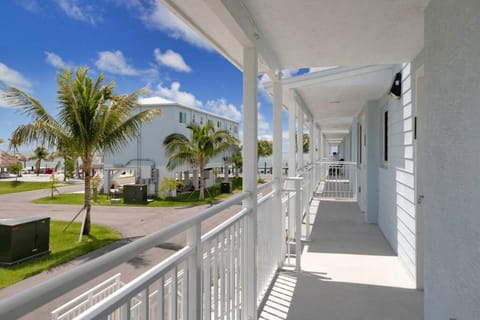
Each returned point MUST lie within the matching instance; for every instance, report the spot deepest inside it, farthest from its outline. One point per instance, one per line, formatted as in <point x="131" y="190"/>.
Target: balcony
<point x="348" y="272"/>
<point x="248" y="264"/>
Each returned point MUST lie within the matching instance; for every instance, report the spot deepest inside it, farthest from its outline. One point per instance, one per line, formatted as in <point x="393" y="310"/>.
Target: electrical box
<point x="23" y="238"/>
<point x="135" y="193"/>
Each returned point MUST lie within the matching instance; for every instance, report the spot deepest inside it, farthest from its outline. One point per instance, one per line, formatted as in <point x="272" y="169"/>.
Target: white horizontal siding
<point x="396" y="178"/>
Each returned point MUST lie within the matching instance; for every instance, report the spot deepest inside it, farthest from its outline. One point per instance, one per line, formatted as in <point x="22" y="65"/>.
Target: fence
<point x="338" y="180"/>
<point x="86" y="300"/>
<point x="213" y="277"/>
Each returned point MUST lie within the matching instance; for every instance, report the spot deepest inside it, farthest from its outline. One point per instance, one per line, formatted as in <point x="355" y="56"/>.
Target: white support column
<point x="250" y="178"/>
<point x="292" y="158"/>
<point x="311" y="140"/>
<point x="313" y="173"/>
<point x="300" y="138"/>
<point x="292" y="115"/>
<point x="277" y="158"/>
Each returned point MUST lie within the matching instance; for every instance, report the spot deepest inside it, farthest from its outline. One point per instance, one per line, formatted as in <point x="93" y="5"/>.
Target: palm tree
<point x="91" y="117"/>
<point x="39" y="154"/>
<point x="204" y="144"/>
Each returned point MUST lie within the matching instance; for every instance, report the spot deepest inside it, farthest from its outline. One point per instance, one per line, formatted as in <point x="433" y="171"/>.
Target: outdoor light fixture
<point x="396" y="90"/>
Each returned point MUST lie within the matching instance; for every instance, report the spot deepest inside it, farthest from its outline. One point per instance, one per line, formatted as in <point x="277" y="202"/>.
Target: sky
<point x="135" y="43"/>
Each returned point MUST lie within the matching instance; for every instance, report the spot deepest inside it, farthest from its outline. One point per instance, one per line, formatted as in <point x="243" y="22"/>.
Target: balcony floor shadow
<point x="349" y="272"/>
<point x="340" y="227"/>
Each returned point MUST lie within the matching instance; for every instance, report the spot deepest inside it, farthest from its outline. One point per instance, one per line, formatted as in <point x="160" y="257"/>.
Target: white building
<point x="417" y="160"/>
<point x="146" y="155"/>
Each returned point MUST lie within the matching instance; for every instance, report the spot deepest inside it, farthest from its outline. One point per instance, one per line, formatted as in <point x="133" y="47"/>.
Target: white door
<point x="419" y="221"/>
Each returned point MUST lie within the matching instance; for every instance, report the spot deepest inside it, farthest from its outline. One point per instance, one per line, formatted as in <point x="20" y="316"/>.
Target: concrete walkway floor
<point x="349" y="272"/>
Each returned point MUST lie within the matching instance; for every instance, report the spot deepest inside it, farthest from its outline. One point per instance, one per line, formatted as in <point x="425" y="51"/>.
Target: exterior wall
<point x="397" y="211"/>
<point x="153" y="134"/>
<point x="452" y="154"/>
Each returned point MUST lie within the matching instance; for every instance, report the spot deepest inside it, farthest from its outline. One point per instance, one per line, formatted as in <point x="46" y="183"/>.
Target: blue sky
<point x="136" y="43"/>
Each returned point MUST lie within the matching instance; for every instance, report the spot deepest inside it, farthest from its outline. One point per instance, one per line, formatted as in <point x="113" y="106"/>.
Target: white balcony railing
<point x="207" y="279"/>
<point x="86" y="300"/>
<point x="338" y="180"/>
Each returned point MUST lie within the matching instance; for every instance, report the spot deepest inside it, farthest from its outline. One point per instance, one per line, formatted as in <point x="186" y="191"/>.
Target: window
<point x="385" y="136"/>
<point x="182" y="117"/>
<point x="201" y="120"/>
<point x="193" y="118"/>
<point x="218" y="124"/>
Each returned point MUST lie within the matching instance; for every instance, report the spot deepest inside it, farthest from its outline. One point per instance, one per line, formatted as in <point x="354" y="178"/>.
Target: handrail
<point x="265" y="185"/>
<point x="73" y="302"/>
<point x="224" y="225"/>
<point x="119" y="297"/>
<point x="14" y="307"/>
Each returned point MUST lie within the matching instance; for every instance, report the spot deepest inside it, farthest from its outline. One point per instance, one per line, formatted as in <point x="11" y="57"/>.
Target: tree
<point x="91" y="117"/>
<point x="237" y="158"/>
<point x="15" y="168"/>
<point x="204" y="144"/>
<point x="306" y="143"/>
<point x="264" y="148"/>
<point x="168" y="186"/>
<point x="39" y="154"/>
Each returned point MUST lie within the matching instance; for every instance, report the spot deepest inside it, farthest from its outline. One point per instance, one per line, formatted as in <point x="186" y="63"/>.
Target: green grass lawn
<point x="103" y="200"/>
<point x="63" y="246"/>
<point x="19" y="186"/>
<point x="186" y="199"/>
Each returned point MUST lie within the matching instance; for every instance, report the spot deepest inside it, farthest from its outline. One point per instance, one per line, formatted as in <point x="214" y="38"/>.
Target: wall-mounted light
<point x="396" y="89"/>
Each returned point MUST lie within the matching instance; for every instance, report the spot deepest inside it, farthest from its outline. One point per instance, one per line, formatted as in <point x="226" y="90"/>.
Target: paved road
<point x="131" y="222"/>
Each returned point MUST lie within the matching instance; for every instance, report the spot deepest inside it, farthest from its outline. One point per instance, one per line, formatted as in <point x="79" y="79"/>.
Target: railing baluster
<point x="215" y="281"/>
<point x="161" y="298"/>
<point x="174" y="292"/>
<point x="222" y="276"/>
<point x="207" y="283"/>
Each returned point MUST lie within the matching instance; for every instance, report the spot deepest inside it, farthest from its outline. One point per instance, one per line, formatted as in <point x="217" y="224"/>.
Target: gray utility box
<point x="135" y="193"/>
<point x="226" y="187"/>
<point x="23" y="238"/>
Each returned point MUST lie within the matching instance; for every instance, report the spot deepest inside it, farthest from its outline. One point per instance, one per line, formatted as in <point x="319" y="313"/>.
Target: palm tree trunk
<point x="201" y="195"/>
<point x="38" y="167"/>
<point x="87" y="206"/>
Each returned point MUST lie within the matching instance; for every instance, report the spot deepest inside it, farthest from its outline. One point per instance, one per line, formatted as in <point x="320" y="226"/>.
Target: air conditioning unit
<point x="23" y="238"/>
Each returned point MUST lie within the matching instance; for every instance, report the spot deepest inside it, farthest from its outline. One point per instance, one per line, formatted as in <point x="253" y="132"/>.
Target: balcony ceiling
<point x="335" y="96"/>
<point x="308" y="33"/>
<point x="312" y="33"/>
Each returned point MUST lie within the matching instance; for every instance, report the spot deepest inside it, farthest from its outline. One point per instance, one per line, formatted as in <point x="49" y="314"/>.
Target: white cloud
<point x="75" y="10"/>
<point x="154" y="15"/>
<point x="30" y="5"/>
<point x="265" y="78"/>
<point x="264" y="131"/>
<point x="114" y="62"/>
<point x="14" y="78"/>
<point x="55" y="60"/>
<point x="175" y="94"/>
<point x="171" y="59"/>
<point x="223" y="108"/>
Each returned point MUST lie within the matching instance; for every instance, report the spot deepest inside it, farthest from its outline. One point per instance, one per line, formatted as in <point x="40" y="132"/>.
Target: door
<point x="419" y="187"/>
